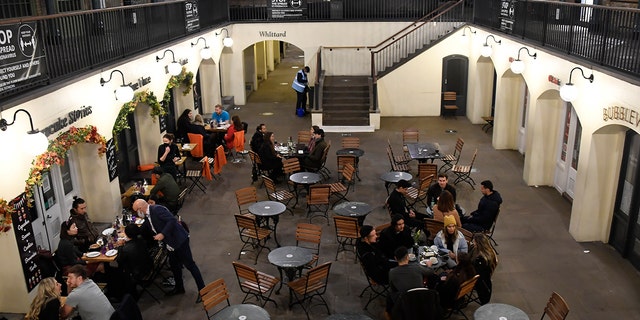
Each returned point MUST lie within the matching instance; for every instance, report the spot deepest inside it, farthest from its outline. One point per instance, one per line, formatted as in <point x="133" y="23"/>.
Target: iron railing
<point x="604" y="36"/>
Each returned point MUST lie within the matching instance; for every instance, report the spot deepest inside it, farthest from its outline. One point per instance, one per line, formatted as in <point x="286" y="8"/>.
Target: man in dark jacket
<point x="487" y="211"/>
<point x="258" y="138"/>
<point x="397" y="204"/>
<point x="168" y="187"/>
<point x="375" y="263"/>
<point x="394" y="236"/>
<point x="314" y="160"/>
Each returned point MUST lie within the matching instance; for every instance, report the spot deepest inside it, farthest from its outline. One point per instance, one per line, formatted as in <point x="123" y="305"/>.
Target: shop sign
<point x="64" y="122"/>
<point x="623" y="114"/>
<point x="26" y="240"/>
<point x="22" y="60"/>
<point x="271" y="34"/>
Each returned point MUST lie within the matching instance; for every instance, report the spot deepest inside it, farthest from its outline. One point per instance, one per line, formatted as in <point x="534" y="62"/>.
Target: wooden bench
<point x="488" y="125"/>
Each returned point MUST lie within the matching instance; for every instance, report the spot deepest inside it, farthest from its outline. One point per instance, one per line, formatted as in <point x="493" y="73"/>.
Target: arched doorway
<point x="455" y="69"/>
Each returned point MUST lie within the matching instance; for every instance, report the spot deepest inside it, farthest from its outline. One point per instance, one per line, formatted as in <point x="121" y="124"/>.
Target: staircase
<point x="346" y="101"/>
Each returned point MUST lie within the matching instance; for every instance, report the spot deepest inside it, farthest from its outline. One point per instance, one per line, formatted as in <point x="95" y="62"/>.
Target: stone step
<point x="346" y="106"/>
<point x="345" y="121"/>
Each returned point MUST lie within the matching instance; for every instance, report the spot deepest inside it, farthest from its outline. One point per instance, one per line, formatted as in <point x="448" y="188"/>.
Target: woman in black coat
<point x="271" y="160"/>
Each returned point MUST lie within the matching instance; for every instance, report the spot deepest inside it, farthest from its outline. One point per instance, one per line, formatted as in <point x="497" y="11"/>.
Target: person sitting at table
<point x="312" y="140"/>
<point x="487" y="211"/>
<point x="183" y="125"/>
<point x="375" y="263"/>
<point x="405" y="277"/>
<point x="449" y="284"/>
<point x="397" y="204"/>
<point x="86" y="297"/>
<point x="208" y="139"/>
<point x="134" y="259"/>
<point x="313" y="161"/>
<point x="220" y="116"/>
<point x="271" y="160"/>
<point x="166" y="189"/>
<point x="258" y="138"/>
<point x="445" y="207"/>
<point x="46" y="303"/>
<point x="485" y="261"/>
<point x="87" y="232"/>
<point x="436" y="189"/>
<point x="394" y="236"/>
<point x="67" y="254"/>
<point x="168" y="154"/>
<point x="229" y="137"/>
<point x="450" y="240"/>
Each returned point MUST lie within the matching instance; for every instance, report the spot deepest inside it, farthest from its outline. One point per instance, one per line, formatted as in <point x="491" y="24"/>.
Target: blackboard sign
<point x="112" y="160"/>
<point x="163" y="122"/>
<point x="192" y="18"/>
<point x="507" y="15"/>
<point x="26" y="240"/>
<point x="287" y="9"/>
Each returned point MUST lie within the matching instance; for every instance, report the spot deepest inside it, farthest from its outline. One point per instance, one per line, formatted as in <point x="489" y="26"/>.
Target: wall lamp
<point x="205" y="53"/>
<point x="486" y="49"/>
<point x="227" y="41"/>
<point x="568" y="91"/>
<point x="174" y="68"/>
<point x="470" y="30"/>
<point x="124" y="92"/>
<point x="35" y="141"/>
<point x="517" y="66"/>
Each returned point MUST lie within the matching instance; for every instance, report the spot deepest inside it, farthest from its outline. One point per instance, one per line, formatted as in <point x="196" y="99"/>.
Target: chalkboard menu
<point x="507" y="15"/>
<point x="163" y="122"/>
<point x="192" y="17"/>
<point x="112" y="160"/>
<point x="287" y="9"/>
<point x="22" y="217"/>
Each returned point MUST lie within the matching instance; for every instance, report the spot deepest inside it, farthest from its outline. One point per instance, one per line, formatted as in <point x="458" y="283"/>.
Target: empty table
<point x="348" y="316"/>
<point x="242" y="312"/>
<point x="353" y="209"/>
<point x="291" y="259"/>
<point x="352" y="152"/>
<point x="269" y="210"/>
<point x="304" y="178"/>
<point x="393" y="177"/>
<point x="499" y="311"/>
<point x="424" y="151"/>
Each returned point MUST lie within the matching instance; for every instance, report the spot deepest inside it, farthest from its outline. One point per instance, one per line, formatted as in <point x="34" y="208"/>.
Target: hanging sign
<point x="192" y="18"/>
<point x="112" y="160"/>
<point x="287" y="9"/>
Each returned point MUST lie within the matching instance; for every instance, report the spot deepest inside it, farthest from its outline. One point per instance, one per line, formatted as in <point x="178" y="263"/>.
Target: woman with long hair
<point x="271" y="160"/>
<point x="446" y="207"/>
<point x="451" y="283"/>
<point x="67" y="253"/>
<point x="451" y="240"/>
<point x="46" y="303"/>
<point x="236" y="125"/>
<point x="168" y="154"/>
<point x="183" y="125"/>
<point x="485" y="261"/>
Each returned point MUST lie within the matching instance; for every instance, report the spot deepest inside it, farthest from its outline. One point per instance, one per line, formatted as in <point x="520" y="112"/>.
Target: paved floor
<point x="537" y="254"/>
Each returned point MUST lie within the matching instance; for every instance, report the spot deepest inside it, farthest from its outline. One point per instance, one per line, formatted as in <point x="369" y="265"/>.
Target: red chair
<point x="198" y="150"/>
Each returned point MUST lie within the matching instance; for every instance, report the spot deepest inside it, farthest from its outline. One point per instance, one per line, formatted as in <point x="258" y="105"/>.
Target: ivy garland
<point x="184" y="79"/>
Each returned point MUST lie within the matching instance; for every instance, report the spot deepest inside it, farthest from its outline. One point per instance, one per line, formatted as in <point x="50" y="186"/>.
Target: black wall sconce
<point x="227" y="41"/>
<point x="35" y="142"/>
<point x="517" y="66"/>
<point x="205" y="53"/>
<point x="175" y="67"/>
<point x="124" y="92"/>
<point x="568" y="92"/>
<point x="486" y="49"/>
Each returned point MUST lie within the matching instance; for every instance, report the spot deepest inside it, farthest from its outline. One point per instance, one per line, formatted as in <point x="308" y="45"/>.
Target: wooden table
<point x="133" y="190"/>
<point x="101" y="258"/>
<point x="217" y="129"/>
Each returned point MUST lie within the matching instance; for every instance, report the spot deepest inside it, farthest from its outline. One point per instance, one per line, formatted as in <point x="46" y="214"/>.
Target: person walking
<point x="301" y="86"/>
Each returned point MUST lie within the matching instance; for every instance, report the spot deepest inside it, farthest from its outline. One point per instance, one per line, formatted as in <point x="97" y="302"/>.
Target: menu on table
<point x="26" y="240"/>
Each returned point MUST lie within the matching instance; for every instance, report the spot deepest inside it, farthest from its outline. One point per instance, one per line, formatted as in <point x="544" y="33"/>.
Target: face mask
<point x="140" y="214"/>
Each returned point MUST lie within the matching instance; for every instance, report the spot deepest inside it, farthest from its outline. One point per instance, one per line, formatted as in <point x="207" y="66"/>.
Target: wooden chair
<point x="449" y="103"/>
<point x="463" y="173"/>
<point x="427" y="169"/>
<point x="415" y="195"/>
<point x="376" y="289"/>
<point x="251" y="235"/>
<point x="341" y="188"/>
<point x="312" y="284"/>
<point x="198" y="151"/>
<point x="324" y="171"/>
<point x="489" y="232"/>
<point x="309" y="236"/>
<point x="433" y="226"/>
<point x="181" y="197"/>
<point x="556" y="309"/>
<point x="351" y="142"/>
<point x="196" y="175"/>
<point x="463" y="296"/>
<point x="212" y="295"/>
<point x="255" y="283"/>
<point x="452" y="159"/>
<point x="244" y="198"/>
<point x="347" y="234"/>
<point x="304" y="136"/>
<point x="395" y="166"/>
<point x="468" y="236"/>
<point x="401" y="158"/>
<point x="289" y="167"/>
<point x="283" y="196"/>
<point x="256" y="166"/>
<point x="410" y="135"/>
<point x="318" y="201"/>
<point x="341" y="161"/>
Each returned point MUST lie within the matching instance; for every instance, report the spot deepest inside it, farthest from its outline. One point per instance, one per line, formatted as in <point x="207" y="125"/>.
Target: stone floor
<point x="537" y="254"/>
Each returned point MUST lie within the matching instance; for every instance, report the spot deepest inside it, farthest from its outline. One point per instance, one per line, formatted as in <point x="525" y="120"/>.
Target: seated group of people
<point x="263" y="143"/>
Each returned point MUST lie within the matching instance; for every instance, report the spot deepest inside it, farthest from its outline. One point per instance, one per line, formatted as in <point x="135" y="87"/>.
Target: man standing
<point x="168" y="187"/>
<point x="397" y="204"/>
<point x="300" y="85"/>
<point x="86" y="297"/>
<point x="167" y="229"/>
<point x="395" y="236"/>
<point x="488" y="208"/>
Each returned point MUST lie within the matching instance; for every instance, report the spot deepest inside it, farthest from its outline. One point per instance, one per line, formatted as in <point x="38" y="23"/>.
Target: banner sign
<point x="191" y="14"/>
<point x="21" y="56"/>
<point x="26" y="240"/>
<point x="507" y="15"/>
<point x="287" y="9"/>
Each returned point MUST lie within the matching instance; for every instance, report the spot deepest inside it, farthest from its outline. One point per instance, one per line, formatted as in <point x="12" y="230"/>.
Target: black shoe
<point x="199" y="299"/>
<point x="175" y="291"/>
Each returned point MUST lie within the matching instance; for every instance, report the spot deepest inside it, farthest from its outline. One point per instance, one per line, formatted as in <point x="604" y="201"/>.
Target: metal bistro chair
<point x="256" y="166"/>
<point x="449" y="99"/>
<point x="463" y="297"/>
<point x="395" y="166"/>
<point x="212" y="295"/>
<point x="403" y="158"/>
<point x="409" y="135"/>
<point x="415" y="195"/>
<point x="351" y="142"/>
<point x="283" y="196"/>
<point x="312" y="284"/>
<point x="376" y="289"/>
<point x="341" y="188"/>
<point x="309" y="236"/>
<point x="304" y="136"/>
<point x="244" y="198"/>
<point x="238" y="147"/>
<point x="196" y="175"/>
<point x="427" y="169"/>
<point x="452" y="159"/>
<point x="318" y="201"/>
<point x="463" y="173"/>
<point x="557" y="308"/>
<point x="255" y="283"/>
<point x="433" y="226"/>
<point x="251" y="235"/>
<point x="347" y="234"/>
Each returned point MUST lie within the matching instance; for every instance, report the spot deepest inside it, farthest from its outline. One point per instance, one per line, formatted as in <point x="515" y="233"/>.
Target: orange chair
<point x="198" y="151"/>
<point x="238" y="144"/>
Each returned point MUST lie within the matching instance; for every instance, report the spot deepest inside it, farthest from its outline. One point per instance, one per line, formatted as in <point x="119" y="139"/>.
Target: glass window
<point x="67" y="179"/>
<point x="576" y="145"/>
<point x="631" y="173"/>
<point x="47" y="190"/>
<point x="565" y="134"/>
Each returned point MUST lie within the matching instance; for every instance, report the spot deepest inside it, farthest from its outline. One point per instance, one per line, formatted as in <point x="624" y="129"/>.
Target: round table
<point x="499" y="311"/>
<point x="353" y="209"/>
<point x="348" y="316"/>
<point x="290" y="259"/>
<point x="304" y="178"/>
<point x="269" y="210"/>
<point x="242" y="312"/>
<point x="350" y="152"/>
<point x="393" y="177"/>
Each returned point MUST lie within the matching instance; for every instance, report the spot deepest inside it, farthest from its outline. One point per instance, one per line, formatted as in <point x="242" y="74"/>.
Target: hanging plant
<point x="146" y="97"/>
<point x="184" y="79"/>
<point x="5" y="216"/>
